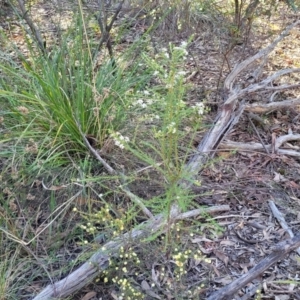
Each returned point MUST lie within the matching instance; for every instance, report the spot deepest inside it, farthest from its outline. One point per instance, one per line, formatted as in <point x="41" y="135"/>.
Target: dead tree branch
<point x="36" y="33"/>
<point x="261" y="108"/>
<point x="228" y="113"/>
<point x="259" y="147"/>
<point x="281" y="250"/>
<point x="106" y="28"/>
<point x="264" y="52"/>
<point x="100" y="260"/>
<point x="280" y="218"/>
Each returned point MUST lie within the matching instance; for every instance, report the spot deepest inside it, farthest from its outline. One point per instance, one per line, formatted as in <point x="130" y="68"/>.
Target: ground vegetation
<point x="149" y="149"/>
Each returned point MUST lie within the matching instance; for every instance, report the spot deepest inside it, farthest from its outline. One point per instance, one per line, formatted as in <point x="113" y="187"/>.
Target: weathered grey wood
<point x="259" y="147"/>
<point x="279" y="253"/>
<point x="228" y="113"/>
<point x="262" y="108"/>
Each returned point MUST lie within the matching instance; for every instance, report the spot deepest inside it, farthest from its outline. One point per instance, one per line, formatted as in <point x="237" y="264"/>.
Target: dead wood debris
<point x="261" y="108"/>
<point x="271" y="148"/>
<point x="281" y="251"/>
<point x="278" y="215"/>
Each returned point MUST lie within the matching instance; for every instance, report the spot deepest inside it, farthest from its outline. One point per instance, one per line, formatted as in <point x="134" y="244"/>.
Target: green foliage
<point x="163" y="107"/>
<point x="45" y="99"/>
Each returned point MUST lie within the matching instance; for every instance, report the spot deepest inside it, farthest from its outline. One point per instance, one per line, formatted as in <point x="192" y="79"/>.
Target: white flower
<point x="181" y="73"/>
<point x="182" y="50"/>
<point x="183" y="44"/>
<point x="166" y="55"/>
<point x="199" y="107"/>
<point x="119" y="139"/>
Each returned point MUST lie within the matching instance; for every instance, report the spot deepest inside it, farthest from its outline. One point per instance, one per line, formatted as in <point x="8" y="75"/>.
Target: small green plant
<point x="163" y="106"/>
<point x="134" y="271"/>
<point x="46" y="100"/>
<point x="105" y="220"/>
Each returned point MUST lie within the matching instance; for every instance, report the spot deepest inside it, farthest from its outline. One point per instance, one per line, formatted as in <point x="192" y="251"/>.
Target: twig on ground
<point x="264" y="83"/>
<point x="252" y="292"/>
<point x="108" y="168"/>
<point x="257" y="133"/>
<point x="278" y="215"/>
<point x="283" y="87"/>
<point x="259" y="120"/>
<point x="197" y="212"/>
<point x="285" y="138"/>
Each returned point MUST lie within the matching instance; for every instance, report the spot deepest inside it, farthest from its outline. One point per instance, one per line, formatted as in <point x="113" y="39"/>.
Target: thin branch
<point x="257" y="133"/>
<point x="106" y="28"/>
<point x="264" y="108"/>
<point x="243" y="65"/>
<point x="285" y="138"/>
<point x="36" y="33"/>
<point x="263" y="84"/>
<point x="108" y="168"/>
<point x="280" y="218"/>
<point x="283" y="87"/>
<point x="258" y="147"/>
<point x="199" y="211"/>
